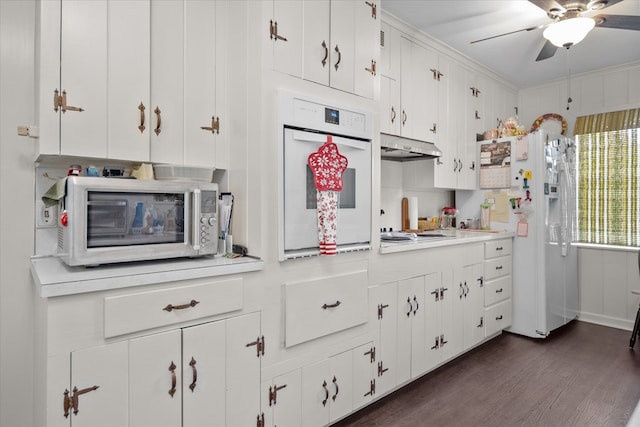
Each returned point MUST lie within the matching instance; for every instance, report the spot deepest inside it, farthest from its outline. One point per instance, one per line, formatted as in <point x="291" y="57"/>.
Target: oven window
<point x="347" y="195"/>
<point x="126" y="219"/>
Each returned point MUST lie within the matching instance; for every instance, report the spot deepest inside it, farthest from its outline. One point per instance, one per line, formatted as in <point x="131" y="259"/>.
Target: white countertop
<point x="54" y="278"/>
<point x="455" y="237"/>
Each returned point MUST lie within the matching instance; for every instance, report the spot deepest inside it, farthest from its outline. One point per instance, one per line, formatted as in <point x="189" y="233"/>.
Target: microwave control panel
<point x="208" y="233"/>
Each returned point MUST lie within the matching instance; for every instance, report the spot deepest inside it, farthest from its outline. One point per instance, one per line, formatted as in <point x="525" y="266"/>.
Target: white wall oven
<point x="304" y="123"/>
<point x="109" y="220"/>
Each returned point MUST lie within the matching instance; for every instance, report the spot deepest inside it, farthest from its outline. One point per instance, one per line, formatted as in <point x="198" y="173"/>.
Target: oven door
<point x="299" y="194"/>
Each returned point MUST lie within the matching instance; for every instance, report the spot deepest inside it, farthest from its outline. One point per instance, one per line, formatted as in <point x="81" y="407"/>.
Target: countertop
<point x="54" y="278"/>
<point x="453" y="237"/>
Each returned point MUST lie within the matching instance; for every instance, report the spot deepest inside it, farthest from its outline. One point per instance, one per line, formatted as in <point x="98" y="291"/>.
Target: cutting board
<point x="405" y="213"/>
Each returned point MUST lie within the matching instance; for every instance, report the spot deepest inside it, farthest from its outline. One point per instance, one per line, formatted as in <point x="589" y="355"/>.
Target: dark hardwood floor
<point x="581" y="375"/>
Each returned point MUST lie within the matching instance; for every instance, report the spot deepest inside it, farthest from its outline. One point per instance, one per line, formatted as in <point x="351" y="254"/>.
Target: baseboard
<point x="599" y="319"/>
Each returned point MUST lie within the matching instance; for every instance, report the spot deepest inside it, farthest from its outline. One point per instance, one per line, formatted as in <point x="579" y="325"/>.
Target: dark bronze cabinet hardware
<point x="334" y="305"/>
<point x="172" y="369"/>
<point x="73" y="402"/>
<point x="192" y="363"/>
<point x="172" y="307"/>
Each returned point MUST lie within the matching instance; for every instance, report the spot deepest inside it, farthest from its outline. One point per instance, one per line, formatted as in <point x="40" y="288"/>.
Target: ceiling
<point x="458" y="22"/>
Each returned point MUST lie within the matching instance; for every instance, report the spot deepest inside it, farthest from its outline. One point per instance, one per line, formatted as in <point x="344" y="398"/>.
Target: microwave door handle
<point x="302" y="136"/>
<point x="195" y="229"/>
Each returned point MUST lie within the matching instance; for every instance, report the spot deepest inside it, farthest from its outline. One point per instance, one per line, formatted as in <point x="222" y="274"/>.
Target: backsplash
<point x="392" y="190"/>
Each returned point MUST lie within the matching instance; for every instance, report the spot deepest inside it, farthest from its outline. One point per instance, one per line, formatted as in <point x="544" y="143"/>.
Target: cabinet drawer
<point x="145" y="310"/>
<point x="498" y="317"/>
<point x="497" y="248"/>
<point x="497" y="290"/>
<point x="497" y="267"/>
<point x="319" y="307"/>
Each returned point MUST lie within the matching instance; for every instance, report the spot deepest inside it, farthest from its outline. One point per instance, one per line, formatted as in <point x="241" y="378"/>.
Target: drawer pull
<point x="325" y="306"/>
<point x="335" y="384"/>
<point x="415" y="299"/>
<point x="172" y="307"/>
<point x="172" y="369"/>
<point x="326" y="393"/>
<point x="499" y="248"/>
<point x="410" y="306"/>
<point x="192" y="386"/>
<point x="498" y="291"/>
<point x="499" y="317"/>
<point x="498" y="267"/>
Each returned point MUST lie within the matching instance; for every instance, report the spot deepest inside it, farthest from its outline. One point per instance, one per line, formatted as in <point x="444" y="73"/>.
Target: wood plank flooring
<point x="581" y="375"/>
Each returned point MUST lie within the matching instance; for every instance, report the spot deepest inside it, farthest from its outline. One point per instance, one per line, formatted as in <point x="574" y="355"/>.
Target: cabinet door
<point x="384" y="311"/>
<point x="389" y="64"/>
<point x="203" y="375"/>
<point x="433" y="320"/>
<point x="166" y="122"/>
<point x="288" y="48"/>
<point x="105" y="367"/>
<point x="367" y="50"/>
<point x="155" y="393"/>
<point x="342" y="48"/>
<point x="411" y="333"/>
<point x="204" y="94"/>
<point x="284" y="408"/>
<point x="365" y="359"/>
<point x="389" y="105"/>
<point x="83" y="76"/>
<point x="474" y="331"/>
<point x="317" y="41"/>
<point x="243" y="369"/>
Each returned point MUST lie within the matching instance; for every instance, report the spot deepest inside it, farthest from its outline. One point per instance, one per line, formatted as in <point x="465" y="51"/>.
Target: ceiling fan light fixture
<point x="568" y="32"/>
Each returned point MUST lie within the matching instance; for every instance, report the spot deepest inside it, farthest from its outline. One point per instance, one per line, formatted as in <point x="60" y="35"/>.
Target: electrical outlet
<point x="45" y="216"/>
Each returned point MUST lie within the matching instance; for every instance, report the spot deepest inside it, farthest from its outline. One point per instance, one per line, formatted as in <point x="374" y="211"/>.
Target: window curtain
<point x="608" y="170"/>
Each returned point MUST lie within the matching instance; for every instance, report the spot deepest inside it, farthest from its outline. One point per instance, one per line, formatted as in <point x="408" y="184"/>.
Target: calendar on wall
<point x="495" y="164"/>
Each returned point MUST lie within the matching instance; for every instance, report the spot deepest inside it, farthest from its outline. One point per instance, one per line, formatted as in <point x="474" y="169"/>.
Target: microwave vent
<point x="60" y="238"/>
<point x="381" y="38"/>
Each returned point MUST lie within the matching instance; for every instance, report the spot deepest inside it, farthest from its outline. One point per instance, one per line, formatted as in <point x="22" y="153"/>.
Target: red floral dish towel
<point x="327" y="165"/>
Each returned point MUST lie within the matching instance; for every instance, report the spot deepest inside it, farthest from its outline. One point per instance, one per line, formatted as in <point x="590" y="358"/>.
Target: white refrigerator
<point x="535" y="178"/>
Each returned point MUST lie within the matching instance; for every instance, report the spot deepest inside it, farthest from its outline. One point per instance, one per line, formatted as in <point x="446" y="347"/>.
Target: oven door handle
<point x="302" y="136"/>
<point x="195" y="229"/>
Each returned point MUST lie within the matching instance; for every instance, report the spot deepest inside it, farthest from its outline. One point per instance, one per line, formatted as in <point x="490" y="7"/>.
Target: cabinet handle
<point x="466" y="289"/>
<point x="410" y="306"/>
<point x="499" y="248"/>
<point x="499" y="317"/>
<point x="374" y="9"/>
<point x="326" y="393"/>
<point x="498" y="267"/>
<point x="498" y="291"/>
<point x="461" y="290"/>
<point x="372" y="69"/>
<point x="192" y="386"/>
<point x="215" y="125"/>
<point x="339" y="57"/>
<point x="172" y="307"/>
<point x="460" y="165"/>
<point x="326" y="53"/>
<point x="404" y="117"/>
<point x="157" y="130"/>
<point x="455" y="165"/>
<point x="335" y="384"/>
<point x="141" y="128"/>
<point x="72" y="402"/>
<point x="393" y="115"/>
<point x="415" y="299"/>
<point x="336" y="304"/>
<point x="172" y="369"/>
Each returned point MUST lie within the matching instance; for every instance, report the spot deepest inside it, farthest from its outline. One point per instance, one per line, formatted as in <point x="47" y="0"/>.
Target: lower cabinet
<point x="206" y="374"/>
<point x="498" y="285"/>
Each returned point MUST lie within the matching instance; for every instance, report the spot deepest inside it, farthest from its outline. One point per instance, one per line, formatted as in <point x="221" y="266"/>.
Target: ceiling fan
<point x="569" y="27"/>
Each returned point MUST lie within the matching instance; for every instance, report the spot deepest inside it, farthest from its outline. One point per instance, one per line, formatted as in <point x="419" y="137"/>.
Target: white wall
<point x="606" y="275"/>
<point x="17" y="94"/>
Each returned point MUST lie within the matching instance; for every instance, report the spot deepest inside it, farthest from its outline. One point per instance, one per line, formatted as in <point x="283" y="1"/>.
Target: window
<point x="607" y="178"/>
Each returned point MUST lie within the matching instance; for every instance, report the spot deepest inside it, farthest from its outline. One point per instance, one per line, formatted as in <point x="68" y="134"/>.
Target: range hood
<point x="398" y="148"/>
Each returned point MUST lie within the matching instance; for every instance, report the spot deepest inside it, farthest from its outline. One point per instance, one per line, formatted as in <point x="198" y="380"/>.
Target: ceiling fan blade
<point x="511" y="32"/>
<point x="547" y="51"/>
<point x="547" y="5"/>
<point x="622" y="22"/>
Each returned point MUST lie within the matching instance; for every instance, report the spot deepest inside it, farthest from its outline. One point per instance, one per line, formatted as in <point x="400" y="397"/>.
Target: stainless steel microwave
<point x="110" y="220"/>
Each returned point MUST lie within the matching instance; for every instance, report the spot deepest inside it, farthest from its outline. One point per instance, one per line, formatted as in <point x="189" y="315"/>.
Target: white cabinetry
<point x="281" y="400"/>
<point x="469" y="297"/>
<point x="333" y="43"/>
<point x="133" y="80"/>
<point x="414" y="91"/>
<point x="383" y="301"/>
<point x="202" y="374"/>
<point x="498" y="285"/>
<point x="411" y="329"/>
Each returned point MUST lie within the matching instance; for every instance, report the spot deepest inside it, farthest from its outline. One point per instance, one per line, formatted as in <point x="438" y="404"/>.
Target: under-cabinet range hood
<point x="398" y="148"/>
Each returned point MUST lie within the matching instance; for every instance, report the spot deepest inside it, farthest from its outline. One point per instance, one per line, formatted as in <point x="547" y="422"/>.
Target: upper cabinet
<point x="138" y="81"/>
<point x="333" y="43"/>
